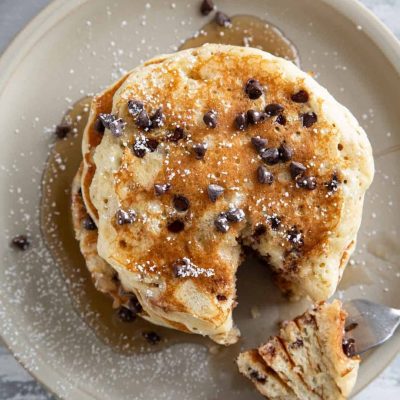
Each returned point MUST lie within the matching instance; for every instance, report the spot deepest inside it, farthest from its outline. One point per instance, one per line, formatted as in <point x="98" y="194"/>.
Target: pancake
<point x="307" y="359"/>
<point x="175" y="201"/>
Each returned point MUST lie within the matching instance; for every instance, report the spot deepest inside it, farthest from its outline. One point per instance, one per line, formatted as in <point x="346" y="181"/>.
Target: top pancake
<point x="316" y="234"/>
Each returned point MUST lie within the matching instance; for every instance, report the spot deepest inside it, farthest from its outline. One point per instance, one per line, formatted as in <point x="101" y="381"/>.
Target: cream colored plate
<point x="77" y="46"/>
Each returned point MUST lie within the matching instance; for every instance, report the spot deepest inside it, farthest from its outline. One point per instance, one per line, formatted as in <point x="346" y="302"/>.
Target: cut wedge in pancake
<point x="306" y="358"/>
<point x="210" y="148"/>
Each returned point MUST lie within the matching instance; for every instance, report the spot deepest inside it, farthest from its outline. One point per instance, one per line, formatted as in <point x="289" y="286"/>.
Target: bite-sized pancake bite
<point x="210" y="149"/>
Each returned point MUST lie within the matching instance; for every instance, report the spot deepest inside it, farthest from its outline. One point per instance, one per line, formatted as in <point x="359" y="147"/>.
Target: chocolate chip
<point x="221" y="297"/>
<point x="296" y="169"/>
<point x="259" y="143"/>
<point x="255" y="375"/>
<point x="214" y="191"/>
<point x="176" y="135"/>
<point x="309" y="119"/>
<point x="135" y="107"/>
<point x="89" y="224"/>
<point x="210" y="119"/>
<point x="63" y="129"/>
<point x="181" y="268"/>
<point x="206" y="7"/>
<point x="260" y="230"/>
<point x="139" y="147"/>
<point x="270" y="156"/>
<point x="161" y="189"/>
<point x="221" y="223"/>
<point x="143" y="120"/>
<point x="285" y="152"/>
<point x="106" y="119"/>
<point x="222" y="19"/>
<point x="176" y="226"/>
<point x="181" y="203"/>
<point x="264" y="176"/>
<point x="348" y="346"/>
<point x="158" y="118"/>
<point x="235" y="215"/>
<point x="200" y="150"/>
<point x="333" y="184"/>
<point x="274" y="221"/>
<point x="241" y="121"/>
<point x="253" y="89"/>
<point x="254" y="117"/>
<point x="151" y="337"/>
<point x="297" y="344"/>
<point x="306" y="182"/>
<point x="125" y="217"/>
<point x="300" y="97"/>
<point x="98" y="126"/>
<point x="280" y="119"/>
<point x="134" y="304"/>
<point x="152" y="144"/>
<point x="294" y="236"/>
<point x="351" y="326"/>
<point x="117" y="127"/>
<point x="273" y="109"/>
<point x="20" y="242"/>
<point x="126" y="315"/>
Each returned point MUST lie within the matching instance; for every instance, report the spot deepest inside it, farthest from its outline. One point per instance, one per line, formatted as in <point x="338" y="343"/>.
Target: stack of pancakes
<point x="192" y="156"/>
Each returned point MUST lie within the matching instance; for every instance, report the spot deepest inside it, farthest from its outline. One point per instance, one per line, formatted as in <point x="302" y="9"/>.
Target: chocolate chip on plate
<point x="117" y="127"/>
<point x="206" y="7"/>
<point x="253" y="89"/>
<point x="280" y="119"/>
<point x="285" y="152"/>
<point x="264" y="176"/>
<point x="254" y="117"/>
<point x="152" y="337"/>
<point x="210" y="119"/>
<point x="89" y="224"/>
<point x="135" y="107"/>
<point x="296" y="169"/>
<point x="222" y="223"/>
<point x="106" y="119"/>
<point x="270" y="156"/>
<point x="20" y="242"/>
<point x="348" y="346"/>
<point x="181" y="203"/>
<point x="125" y="217"/>
<point x="126" y="315"/>
<point x="273" y="109"/>
<point x="200" y="150"/>
<point x="98" y="126"/>
<point x="259" y="143"/>
<point x="143" y="120"/>
<point x="241" y="121"/>
<point x="214" y="191"/>
<point x="176" y="135"/>
<point x="158" y="118"/>
<point x="222" y="19"/>
<point x="306" y="182"/>
<point x="161" y="188"/>
<point x="63" y="129"/>
<point x="235" y="215"/>
<point x="300" y="97"/>
<point x="176" y="226"/>
<point x="309" y="119"/>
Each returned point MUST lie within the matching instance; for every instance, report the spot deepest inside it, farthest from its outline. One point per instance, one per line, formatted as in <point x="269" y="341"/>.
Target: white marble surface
<point x="15" y="382"/>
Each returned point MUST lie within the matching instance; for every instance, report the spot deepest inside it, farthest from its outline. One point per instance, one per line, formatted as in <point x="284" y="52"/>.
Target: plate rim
<point x="21" y="44"/>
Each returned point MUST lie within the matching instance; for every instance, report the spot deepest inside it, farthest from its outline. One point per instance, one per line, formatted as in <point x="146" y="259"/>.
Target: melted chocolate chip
<point x="200" y="150"/>
<point x="214" y="191"/>
<point x="280" y="119"/>
<point x="264" y="176"/>
<point x="270" y="156"/>
<point x="333" y="184"/>
<point x="152" y="337"/>
<point x="63" y="129"/>
<point x="89" y="224"/>
<point x="253" y="89"/>
<point x="123" y="217"/>
<point x="210" y="119"/>
<point x="309" y="119"/>
<point x="206" y="7"/>
<point x="260" y="230"/>
<point x="158" y="118"/>
<point x="255" y="375"/>
<point x="259" y="143"/>
<point x="222" y="19"/>
<point x="161" y="189"/>
<point x="152" y="144"/>
<point x="274" y="221"/>
<point x="255" y="117"/>
<point x="296" y="169"/>
<point x="126" y="315"/>
<point x="135" y="107"/>
<point x="106" y="119"/>
<point x="181" y="203"/>
<point x="221" y="223"/>
<point x="273" y="109"/>
<point x="351" y="326"/>
<point x="176" y="135"/>
<point x="176" y="226"/>
<point x="235" y="215"/>
<point x="306" y="182"/>
<point x="241" y="121"/>
<point x="117" y="127"/>
<point x="300" y="97"/>
<point x="349" y="348"/>
<point x="20" y="242"/>
<point x="98" y="126"/>
<point x="285" y="152"/>
<point x="143" y="120"/>
<point x="221" y="297"/>
<point x="295" y="236"/>
<point x="297" y="344"/>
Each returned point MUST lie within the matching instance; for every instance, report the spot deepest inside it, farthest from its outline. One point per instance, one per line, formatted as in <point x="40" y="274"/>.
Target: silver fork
<point x="368" y="325"/>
